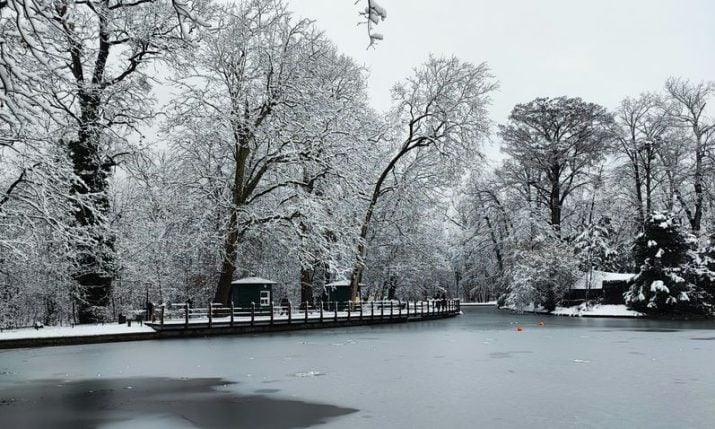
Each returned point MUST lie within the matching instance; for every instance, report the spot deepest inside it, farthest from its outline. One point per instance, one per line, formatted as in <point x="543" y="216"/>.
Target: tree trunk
<point x="93" y="270"/>
<point x="306" y="286"/>
<point x="391" y="287"/>
<point x="639" y="192"/>
<point x="228" y="265"/>
<point x="555" y="206"/>
<point x="359" y="267"/>
<point x="497" y="248"/>
<point x="698" y="184"/>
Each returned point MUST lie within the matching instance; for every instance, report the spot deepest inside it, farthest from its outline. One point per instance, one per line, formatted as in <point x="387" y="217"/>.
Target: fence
<point x="180" y="316"/>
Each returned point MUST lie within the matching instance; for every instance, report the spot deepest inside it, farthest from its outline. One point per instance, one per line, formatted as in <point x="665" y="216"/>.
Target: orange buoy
<point x="541" y="323"/>
<point x="519" y="328"/>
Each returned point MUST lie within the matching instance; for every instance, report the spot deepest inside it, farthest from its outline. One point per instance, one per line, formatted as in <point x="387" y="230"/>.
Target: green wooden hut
<point x="338" y="291"/>
<point x="252" y="290"/>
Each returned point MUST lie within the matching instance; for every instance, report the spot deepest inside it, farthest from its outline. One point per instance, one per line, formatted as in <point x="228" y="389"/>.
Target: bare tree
<point x="442" y="110"/>
<point x="690" y="102"/>
<point x="641" y="125"/>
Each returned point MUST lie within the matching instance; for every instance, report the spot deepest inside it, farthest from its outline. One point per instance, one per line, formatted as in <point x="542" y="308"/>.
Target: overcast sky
<point x="599" y="50"/>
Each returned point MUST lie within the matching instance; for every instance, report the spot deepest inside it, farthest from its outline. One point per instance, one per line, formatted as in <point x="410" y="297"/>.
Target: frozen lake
<point x="475" y="370"/>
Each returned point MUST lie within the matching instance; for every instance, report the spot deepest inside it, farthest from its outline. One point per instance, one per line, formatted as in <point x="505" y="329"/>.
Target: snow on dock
<point x="183" y="321"/>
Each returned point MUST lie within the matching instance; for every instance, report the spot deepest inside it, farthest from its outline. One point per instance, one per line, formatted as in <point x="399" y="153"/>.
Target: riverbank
<point x="597" y="310"/>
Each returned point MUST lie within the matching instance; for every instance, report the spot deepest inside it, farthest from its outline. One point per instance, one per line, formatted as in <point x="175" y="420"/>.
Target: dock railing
<point x="216" y="315"/>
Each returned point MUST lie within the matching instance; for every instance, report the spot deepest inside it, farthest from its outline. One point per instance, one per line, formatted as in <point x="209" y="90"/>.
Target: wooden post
<point x="161" y="315"/>
<point x="232" y="311"/>
<point x="390" y="309"/>
<point x="382" y="309"/>
<point x="321" y="311"/>
<point x="350" y="304"/>
<point x="422" y="308"/>
<point x="361" y="310"/>
<point x="306" y="312"/>
<point x="186" y="316"/>
<point x="210" y="314"/>
<point x="290" y="313"/>
<point x="253" y="312"/>
<point x="372" y="310"/>
<point x="335" y="311"/>
<point x="399" y="309"/>
<point x="271" y="312"/>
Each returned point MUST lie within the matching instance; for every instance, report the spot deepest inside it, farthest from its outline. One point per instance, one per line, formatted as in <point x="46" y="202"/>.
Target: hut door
<point x="265" y="298"/>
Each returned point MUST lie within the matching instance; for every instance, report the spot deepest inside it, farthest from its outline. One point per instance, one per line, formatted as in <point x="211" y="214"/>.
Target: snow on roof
<point x="253" y="281"/>
<point x="343" y="282"/>
<point x="597" y="279"/>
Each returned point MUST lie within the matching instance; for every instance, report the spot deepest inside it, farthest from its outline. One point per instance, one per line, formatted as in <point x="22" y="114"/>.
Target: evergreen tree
<point x="593" y="247"/>
<point x="668" y="277"/>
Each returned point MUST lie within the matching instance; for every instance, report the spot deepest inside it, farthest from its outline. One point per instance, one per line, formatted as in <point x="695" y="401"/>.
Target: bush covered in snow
<point x="671" y="271"/>
<point x="540" y="274"/>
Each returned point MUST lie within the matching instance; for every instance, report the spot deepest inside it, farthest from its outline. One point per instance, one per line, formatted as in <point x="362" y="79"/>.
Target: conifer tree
<point x="668" y="278"/>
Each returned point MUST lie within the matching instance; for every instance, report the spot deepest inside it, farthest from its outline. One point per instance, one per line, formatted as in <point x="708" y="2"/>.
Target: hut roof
<point x="343" y="282"/>
<point x="598" y="278"/>
<point x="253" y="281"/>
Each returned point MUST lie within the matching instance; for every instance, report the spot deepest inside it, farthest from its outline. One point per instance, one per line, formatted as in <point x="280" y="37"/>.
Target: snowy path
<point x="76" y="331"/>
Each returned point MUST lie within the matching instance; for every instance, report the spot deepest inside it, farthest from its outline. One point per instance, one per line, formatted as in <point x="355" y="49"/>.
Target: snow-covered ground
<point x="478" y="304"/>
<point x="597" y="310"/>
<point x="76" y="331"/>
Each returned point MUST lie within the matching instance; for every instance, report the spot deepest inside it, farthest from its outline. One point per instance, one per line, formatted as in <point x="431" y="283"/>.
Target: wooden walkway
<point x="220" y="320"/>
<point x="183" y="322"/>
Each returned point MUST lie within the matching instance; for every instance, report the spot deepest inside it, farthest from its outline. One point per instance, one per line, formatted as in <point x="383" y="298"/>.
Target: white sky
<point x="599" y="50"/>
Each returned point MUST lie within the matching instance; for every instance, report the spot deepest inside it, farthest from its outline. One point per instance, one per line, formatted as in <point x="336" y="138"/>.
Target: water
<point x="475" y="370"/>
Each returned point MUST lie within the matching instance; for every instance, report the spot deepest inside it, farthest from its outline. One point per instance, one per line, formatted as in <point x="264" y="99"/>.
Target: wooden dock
<point x="184" y="322"/>
<point x="224" y="320"/>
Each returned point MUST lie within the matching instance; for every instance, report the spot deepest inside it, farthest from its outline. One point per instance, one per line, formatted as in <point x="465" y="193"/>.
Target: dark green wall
<point x="243" y="295"/>
<point x="337" y="293"/>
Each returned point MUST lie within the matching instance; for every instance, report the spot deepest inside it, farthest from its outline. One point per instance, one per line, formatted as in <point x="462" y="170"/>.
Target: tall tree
<point x="86" y="61"/>
<point x="271" y="100"/>
<point x="562" y="138"/>
<point x="688" y="111"/>
<point x="441" y="111"/>
<point x="641" y="127"/>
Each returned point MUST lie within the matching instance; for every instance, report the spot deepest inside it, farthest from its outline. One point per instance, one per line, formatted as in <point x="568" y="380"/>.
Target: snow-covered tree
<point x="540" y="273"/>
<point x="668" y="279"/>
<point x="641" y="127"/>
<point x="697" y="135"/>
<point x="594" y="248"/>
<point x="561" y="139"/>
<point x="440" y="120"/>
<point x="270" y="105"/>
<point x="83" y="64"/>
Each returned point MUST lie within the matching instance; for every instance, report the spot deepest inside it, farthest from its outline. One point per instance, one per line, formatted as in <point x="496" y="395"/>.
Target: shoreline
<point x="642" y="316"/>
<point x="200" y="330"/>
